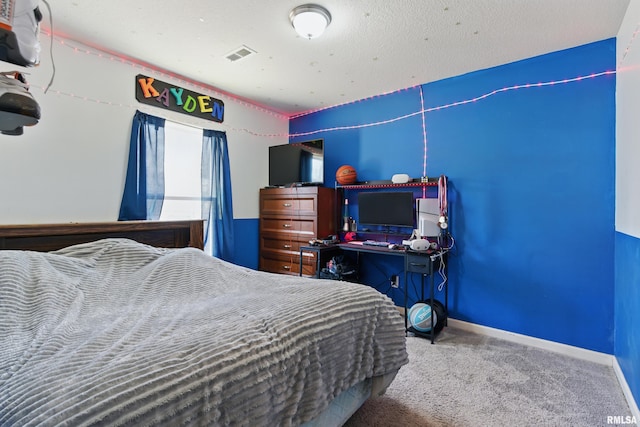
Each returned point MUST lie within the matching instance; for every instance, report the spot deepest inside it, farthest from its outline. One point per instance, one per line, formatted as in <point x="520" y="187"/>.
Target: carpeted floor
<point x="466" y="379"/>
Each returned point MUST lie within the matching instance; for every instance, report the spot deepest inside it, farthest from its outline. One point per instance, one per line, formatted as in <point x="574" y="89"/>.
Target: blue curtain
<point x="217" y="205"/>
<point x="144" y="184"/>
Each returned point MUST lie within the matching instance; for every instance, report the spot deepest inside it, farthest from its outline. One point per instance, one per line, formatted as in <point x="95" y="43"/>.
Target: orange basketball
<point x="346" y="175"/>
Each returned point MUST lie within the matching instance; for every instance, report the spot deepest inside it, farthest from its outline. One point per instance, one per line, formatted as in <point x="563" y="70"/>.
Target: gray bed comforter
<point x="119" y="333"/>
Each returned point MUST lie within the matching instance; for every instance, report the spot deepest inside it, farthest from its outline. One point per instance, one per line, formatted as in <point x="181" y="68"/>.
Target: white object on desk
<point x="420" y="245"/>
<point x="400" y="178"/>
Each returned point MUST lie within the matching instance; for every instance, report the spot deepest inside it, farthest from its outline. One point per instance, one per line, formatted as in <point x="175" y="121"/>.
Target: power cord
<point x="53" y="64"/>
<point x="442" y="271"/>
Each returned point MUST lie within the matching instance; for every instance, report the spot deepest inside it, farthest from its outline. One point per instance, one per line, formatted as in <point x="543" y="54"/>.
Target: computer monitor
<point x="389" y="209"/>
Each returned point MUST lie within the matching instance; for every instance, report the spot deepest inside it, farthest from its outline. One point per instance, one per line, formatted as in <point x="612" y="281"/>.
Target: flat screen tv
<point x="298" y="163"/>
<point x="392" y="209"/>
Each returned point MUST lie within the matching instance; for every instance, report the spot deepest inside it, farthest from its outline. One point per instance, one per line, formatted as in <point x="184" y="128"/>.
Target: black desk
<point x="372" y="249"/>
<point x="423" y="263"/>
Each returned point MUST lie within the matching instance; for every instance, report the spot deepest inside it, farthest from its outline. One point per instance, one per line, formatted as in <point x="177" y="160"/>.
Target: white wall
<point x="70" y="167"/>
<point x="627" y="285"/>
<point x="627" y="129"/>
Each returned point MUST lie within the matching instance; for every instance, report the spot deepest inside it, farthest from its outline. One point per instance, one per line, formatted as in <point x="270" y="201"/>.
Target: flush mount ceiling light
<point x="310" y="20"/>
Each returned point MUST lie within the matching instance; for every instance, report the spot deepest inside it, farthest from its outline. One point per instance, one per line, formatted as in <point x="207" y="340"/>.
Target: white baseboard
<point x="626" y="390"/>
<point x="577" y="352"/>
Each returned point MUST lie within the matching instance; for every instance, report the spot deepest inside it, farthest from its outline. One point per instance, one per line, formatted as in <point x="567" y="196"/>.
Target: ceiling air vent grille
<point x="239" y="53"/>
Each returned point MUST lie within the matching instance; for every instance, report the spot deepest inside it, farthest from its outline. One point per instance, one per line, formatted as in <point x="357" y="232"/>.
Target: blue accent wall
<point x="627" y="309"/>
<point x="531" y="186"/>
<point x="246" y="242"/>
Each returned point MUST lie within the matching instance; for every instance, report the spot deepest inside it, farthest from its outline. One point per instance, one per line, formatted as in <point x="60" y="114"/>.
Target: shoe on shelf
<point x="16" y="132"/>
<point x="20" y="31"/>
<point x="18" y="108"/>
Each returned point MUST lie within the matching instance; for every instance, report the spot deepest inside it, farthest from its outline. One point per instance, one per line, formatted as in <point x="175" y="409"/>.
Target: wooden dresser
<point x="289" y="218"/>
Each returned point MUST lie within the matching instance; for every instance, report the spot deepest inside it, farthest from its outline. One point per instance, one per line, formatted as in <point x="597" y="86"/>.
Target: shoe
<point x="20" y="31"/>
<point x="17" y="131"/>
<point x="18" y="108"/>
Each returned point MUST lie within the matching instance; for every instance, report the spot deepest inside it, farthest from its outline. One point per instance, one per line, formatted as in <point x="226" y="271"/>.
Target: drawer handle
<point x="286" y="225"/>
<point x="286" y="205"/>
<point x="286" y="267"/>
<point x="287" y="246"/>
<point x="415" y="264"/>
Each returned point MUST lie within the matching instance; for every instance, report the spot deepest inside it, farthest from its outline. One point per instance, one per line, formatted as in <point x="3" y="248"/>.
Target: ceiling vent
<point x="239" y="53"/>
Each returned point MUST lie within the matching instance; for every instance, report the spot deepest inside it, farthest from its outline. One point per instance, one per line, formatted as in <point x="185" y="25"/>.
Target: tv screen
<point x="393" y="208"/>
<point x="298" y="163"/>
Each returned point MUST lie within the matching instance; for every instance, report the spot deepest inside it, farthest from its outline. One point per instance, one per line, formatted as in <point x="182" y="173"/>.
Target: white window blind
<point x="182" y="159"/>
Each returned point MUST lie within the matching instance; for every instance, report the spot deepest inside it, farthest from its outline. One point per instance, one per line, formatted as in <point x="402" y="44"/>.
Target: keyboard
<point x="375" y="243"/>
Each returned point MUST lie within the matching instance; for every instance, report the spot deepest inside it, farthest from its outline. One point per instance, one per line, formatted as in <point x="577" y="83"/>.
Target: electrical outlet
<point x="395" y="281"/>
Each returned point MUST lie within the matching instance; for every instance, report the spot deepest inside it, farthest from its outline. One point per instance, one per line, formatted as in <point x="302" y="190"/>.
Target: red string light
<point x="164" y="73"/>
<point x="380" y="95"/>
<point x="424" y="141"/>
<point x="456" y="104"/>
<point x="628" y="48"/>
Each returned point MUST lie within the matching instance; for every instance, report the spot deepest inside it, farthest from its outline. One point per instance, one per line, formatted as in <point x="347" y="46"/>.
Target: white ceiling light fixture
<point x="310" y="20"/>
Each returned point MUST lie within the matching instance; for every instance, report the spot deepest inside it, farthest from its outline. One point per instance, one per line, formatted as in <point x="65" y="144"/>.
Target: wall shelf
<point x="387" y="184"/>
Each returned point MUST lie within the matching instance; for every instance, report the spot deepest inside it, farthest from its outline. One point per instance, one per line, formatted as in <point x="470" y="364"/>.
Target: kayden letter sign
<point x="160" y="94"/>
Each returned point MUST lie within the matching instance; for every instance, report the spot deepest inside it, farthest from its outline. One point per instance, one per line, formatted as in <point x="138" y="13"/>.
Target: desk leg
<point x="426" y="279"/>
<point x="446" y="301"/>
<point x="433" y="309"/>
<point x="318" y="265"/>
<point x="300" y="274"/>
<point x="406" y="299"/>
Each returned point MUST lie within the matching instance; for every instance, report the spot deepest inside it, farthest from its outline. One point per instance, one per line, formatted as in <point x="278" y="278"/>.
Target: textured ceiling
<point x="371" y="46"/>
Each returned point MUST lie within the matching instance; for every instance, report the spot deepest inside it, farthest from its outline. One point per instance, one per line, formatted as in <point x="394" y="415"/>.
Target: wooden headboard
<point x="50" y="237"/>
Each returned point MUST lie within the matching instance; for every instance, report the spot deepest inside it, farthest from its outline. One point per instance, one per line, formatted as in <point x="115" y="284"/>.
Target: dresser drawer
<point x="305" y="228"/>
<point x="418" y="264"/>
<point x="289" y="219"/>
<point x="280" y="244"/>
<point x="286" y="266"/>
<point x="288" y="206"/>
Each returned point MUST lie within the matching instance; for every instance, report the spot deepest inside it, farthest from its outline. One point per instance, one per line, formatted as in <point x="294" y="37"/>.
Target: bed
<point x="123" y="327"/>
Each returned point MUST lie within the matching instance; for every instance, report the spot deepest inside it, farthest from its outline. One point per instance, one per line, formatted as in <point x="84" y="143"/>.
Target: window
<point x="182" y="174"/>
<point x="168" y="178"/>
